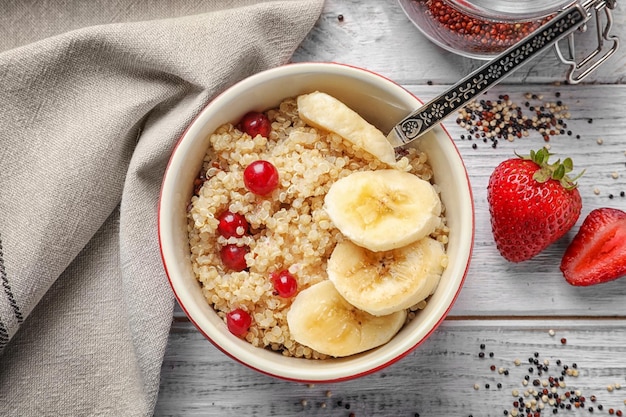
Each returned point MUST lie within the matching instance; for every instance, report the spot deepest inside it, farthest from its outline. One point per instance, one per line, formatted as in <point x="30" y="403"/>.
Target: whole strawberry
<point x="532" y="204"/>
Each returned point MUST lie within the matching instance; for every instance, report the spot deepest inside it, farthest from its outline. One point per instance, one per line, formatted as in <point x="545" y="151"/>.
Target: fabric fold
<point x="89" y="119"/>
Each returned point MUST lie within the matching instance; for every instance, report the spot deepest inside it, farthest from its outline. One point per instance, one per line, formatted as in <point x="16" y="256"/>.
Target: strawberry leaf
<point x="557" y="171"/>
<point x="542" y="175"/>
<point x="568" y="164"/>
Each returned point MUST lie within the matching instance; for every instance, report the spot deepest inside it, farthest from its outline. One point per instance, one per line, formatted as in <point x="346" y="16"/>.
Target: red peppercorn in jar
<point x="480" y="29"/>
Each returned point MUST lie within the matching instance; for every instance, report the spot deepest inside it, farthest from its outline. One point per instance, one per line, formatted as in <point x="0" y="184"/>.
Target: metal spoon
<point x="485" y="77"/>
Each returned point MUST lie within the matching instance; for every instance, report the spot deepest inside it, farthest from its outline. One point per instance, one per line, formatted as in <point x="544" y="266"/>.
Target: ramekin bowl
<point x="383" y="103"/>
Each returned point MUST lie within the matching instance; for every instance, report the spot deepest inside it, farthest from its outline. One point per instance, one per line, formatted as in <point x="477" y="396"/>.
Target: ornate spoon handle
<point x="433" y="112"/>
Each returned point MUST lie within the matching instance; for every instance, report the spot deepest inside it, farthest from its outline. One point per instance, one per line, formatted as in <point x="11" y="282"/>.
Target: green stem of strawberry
<point x="557" y="171"/>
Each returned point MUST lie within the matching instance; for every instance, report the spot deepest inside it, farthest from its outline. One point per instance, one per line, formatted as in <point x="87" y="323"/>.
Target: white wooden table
<point x="514" y="310"/>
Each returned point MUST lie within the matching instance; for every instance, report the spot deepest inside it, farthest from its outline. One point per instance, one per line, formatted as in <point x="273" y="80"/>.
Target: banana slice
<point x="326" y="112"/>
<point x="383" y="210"/>
<point x="322" y="319"/>
<point x="382" y="283"/>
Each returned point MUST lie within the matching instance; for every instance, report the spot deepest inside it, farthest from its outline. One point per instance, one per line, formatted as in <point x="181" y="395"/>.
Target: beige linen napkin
<point x="88" y="119"/>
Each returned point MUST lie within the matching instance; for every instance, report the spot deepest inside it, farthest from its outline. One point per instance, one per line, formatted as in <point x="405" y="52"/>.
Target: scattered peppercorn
<point x="549" y="394"/>
<point x="501" y="118"/>
<point x="340" y="18"/>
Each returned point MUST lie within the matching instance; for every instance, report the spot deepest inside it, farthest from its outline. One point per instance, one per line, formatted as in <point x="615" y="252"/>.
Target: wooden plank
<point x="508" y="307"/>
<point x="437" y="379"/>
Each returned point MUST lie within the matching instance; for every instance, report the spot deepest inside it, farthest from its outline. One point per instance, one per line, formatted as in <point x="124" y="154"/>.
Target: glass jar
<point x="480" y="29"/>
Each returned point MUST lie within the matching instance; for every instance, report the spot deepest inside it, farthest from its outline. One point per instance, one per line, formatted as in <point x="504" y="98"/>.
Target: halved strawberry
<point x="598" y="252"/>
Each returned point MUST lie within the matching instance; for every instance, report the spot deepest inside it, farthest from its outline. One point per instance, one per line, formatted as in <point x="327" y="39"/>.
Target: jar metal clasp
<point x="607" y="44"/>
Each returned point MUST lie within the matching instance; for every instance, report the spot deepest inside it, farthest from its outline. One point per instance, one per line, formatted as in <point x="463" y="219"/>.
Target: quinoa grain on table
<point x="289" y="229"/>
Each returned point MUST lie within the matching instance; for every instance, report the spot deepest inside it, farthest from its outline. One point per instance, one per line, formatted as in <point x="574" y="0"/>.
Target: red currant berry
<point x="238" y="322"/>
<point x="285" y="284"/>
<point x="232" y="224"/>
<point x="261" y="177"/>
<point x="255" y="123"/>
<point x="234" y="257"/>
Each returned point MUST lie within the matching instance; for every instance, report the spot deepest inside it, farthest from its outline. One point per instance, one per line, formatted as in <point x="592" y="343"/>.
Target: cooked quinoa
<point x="289" y="228"/>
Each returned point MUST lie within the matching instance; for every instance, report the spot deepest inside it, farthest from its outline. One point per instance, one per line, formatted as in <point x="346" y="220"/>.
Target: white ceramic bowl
<point x="381" y="102"/>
